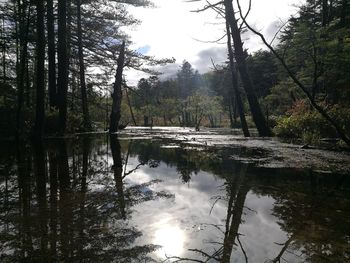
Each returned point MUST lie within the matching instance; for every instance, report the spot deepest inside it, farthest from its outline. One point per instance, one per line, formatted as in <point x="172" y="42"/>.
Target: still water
<point x="122" y="199"/>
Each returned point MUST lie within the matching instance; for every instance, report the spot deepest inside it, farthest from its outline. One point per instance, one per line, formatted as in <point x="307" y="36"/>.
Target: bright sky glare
<point x="172" y="30"/>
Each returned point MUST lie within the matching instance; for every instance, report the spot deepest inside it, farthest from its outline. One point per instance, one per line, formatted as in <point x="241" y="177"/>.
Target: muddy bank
<point x="262" y="152"/>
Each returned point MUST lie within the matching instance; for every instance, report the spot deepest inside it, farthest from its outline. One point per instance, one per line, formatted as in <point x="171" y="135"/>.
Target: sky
<point x="172" y="30"/>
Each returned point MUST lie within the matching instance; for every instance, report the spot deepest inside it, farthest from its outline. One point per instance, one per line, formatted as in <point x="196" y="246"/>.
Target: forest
<point x="59" y="63"/>
<point x="246" y="161"/>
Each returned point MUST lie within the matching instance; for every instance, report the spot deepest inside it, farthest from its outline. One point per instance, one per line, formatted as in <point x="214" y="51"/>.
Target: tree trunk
<point x="258" y="116"/>
<point x="3" y="50"/>
<point x="117" y="92"/>
<point x="21" y="62"/>
<point x="40" y="70"/>
<point x="86" y="115"/>
<point x="62" y="82"/>
<point x="145" y="121"/>
<point x="325" y="13"/>
<point x="130" y="107"/>
<point x="51" y="54"/>
<point x="230" y="114"/>
<point x="239" y="102"/>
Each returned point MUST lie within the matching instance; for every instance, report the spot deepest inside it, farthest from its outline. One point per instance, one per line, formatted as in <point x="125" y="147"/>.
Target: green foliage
<point x="306" y="123"/>
<point x="263" y="69"/>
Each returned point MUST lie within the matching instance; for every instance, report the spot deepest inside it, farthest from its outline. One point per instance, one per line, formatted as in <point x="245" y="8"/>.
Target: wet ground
<point x="170" y="194"/>
<point x="262" y="152"/>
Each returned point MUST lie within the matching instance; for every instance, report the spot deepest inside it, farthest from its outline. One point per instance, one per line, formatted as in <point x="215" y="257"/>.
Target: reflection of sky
<point x="183" y="222"/>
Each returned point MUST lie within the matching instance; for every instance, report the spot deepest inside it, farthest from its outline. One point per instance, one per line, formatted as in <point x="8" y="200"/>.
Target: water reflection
<point x="110" y="199"/>
<point x="171" y="238"/>
<point x="62" y="215"/>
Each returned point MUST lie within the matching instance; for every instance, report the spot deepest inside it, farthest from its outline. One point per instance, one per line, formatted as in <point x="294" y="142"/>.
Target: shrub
<point x="306" y="123"/>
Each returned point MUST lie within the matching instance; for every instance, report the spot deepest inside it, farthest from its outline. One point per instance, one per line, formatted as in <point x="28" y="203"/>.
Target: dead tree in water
<point x="117" y="92"/>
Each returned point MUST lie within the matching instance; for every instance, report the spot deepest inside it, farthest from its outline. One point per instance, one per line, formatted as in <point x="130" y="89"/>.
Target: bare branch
<point x="246" y="15"/>
<point x="244" y="253"/>
<point x="214" y="41"/>
<point x="206" y="7"/>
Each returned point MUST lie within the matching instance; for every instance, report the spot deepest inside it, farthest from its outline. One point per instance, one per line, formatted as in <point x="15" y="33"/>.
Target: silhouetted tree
<point x="117" y="92"/>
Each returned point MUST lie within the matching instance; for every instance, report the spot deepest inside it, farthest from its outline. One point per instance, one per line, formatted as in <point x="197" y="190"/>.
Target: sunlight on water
<point x="171" y="238"/>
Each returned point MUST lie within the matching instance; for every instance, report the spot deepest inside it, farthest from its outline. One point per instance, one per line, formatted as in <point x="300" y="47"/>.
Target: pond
<point x="138" y="198"/>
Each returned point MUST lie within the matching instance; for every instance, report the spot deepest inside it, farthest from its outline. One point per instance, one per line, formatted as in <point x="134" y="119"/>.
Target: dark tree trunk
<point x="240" y="55"/>
<point x="3" y="50"/>
<point x="21" y="61"/>
<point x="325" y="13"/>
<point x="28" y="88"/>
<point x="230" y="113"/>
<point x="40" y="70"/>
<point x="117" y="92"/>
<point x="51" y="54"/>
<point x="145" y="121"/>
<point x="343" y="13"/>
<point x="86" y="115"/>
<point x="238" y="97"/>
<point x="62" y="83"/>
<point x="130" y="107"/>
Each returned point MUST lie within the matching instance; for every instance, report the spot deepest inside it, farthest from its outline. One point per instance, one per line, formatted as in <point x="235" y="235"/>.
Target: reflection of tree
<point x="72" y="214"/>
<point x="237" y="189"/>
<point x="305" y="206"/>
<point x="185" y="165"/>
<point x="59" y="208"/>
<point x="185" y="161"/>
<point x="118" y="172"/>
<point x="40" y="174"/>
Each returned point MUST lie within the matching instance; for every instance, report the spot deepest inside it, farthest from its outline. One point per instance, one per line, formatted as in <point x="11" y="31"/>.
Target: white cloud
<point x="172" y="30"/>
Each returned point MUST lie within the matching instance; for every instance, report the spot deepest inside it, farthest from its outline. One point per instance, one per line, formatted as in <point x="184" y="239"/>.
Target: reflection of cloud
<point x="260" y="229"/>
<point x="188" y="215"/>
<point x="170" y="237"/>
